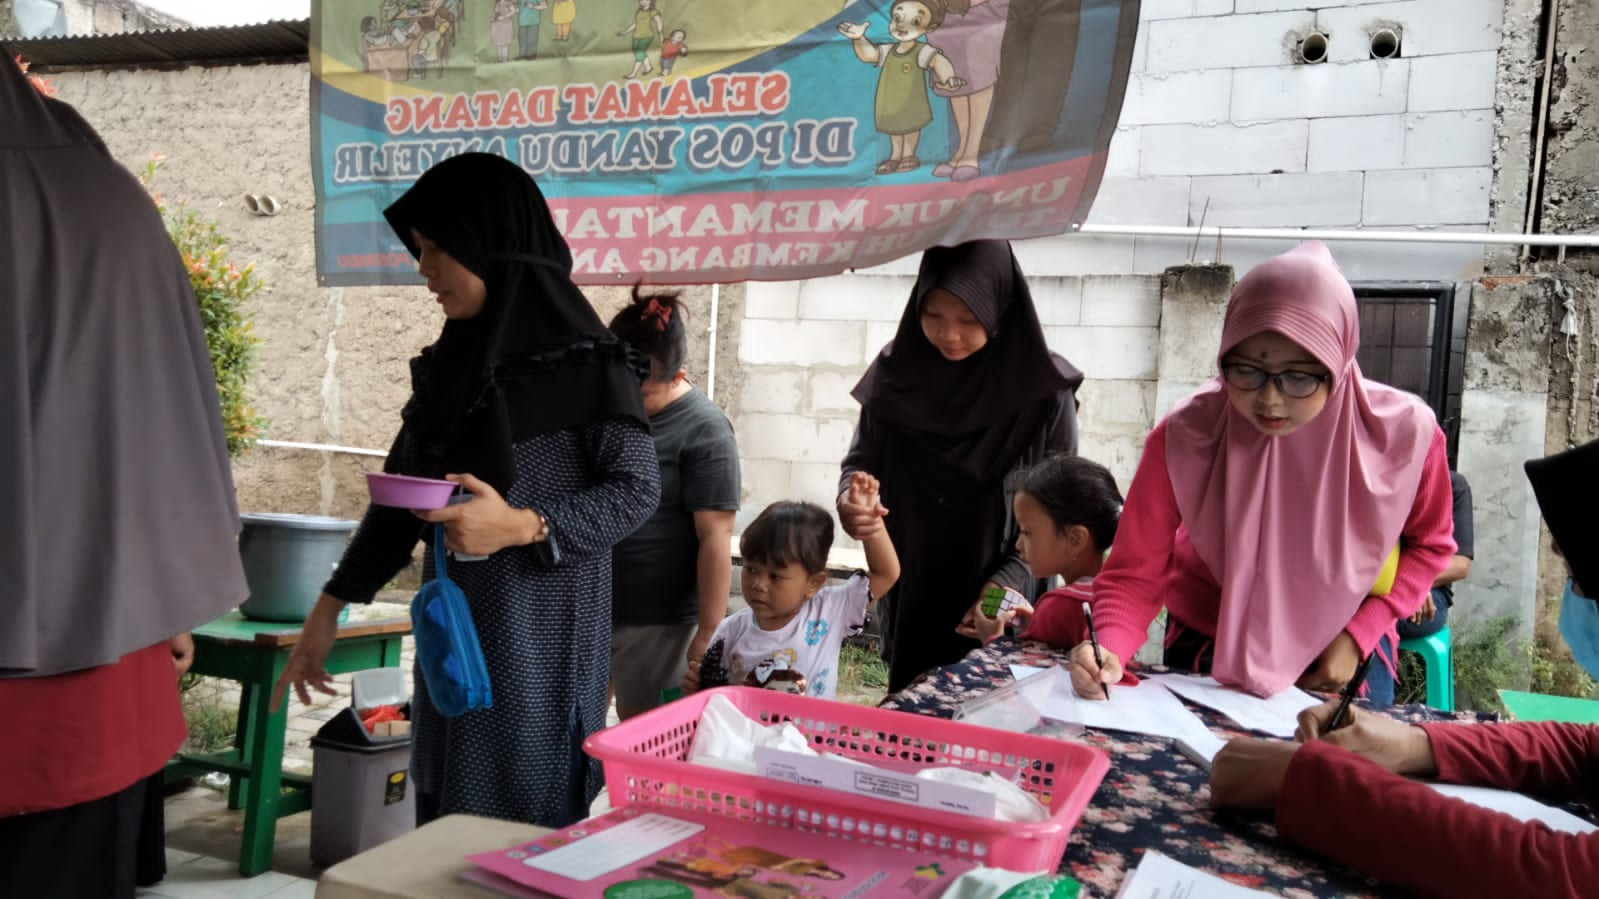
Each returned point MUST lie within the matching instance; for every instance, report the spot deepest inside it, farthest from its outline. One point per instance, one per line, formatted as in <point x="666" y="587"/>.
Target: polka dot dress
<point x="543" y="616"/>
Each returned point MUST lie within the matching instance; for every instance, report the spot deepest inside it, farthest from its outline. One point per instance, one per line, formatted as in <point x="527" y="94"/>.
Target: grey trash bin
<point x="360" y="788"/>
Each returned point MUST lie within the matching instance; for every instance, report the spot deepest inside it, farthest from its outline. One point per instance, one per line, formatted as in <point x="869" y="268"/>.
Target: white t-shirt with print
<point x="808" y="646"/>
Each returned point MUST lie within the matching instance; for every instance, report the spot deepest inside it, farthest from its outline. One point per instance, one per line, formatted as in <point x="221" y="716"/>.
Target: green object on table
<point x="1436" y="654"/>
<point x="1543" y="707"/>
<point x="254" y="653"/>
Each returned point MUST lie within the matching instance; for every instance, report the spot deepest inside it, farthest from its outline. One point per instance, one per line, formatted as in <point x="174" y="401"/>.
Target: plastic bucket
<point x="287" y="559"/>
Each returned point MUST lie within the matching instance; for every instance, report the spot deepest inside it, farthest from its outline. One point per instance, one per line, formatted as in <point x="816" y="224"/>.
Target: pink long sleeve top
<point x="1154" y="564"/>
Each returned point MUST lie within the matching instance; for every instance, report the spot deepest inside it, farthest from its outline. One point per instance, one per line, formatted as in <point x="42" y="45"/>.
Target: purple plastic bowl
<point x="405" y="492"/>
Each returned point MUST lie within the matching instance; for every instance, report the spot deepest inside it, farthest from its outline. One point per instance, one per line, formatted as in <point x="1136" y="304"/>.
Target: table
<point x="425" y="863"/>
<point x="1153" y="797"/>
<point x="254" y="653"/>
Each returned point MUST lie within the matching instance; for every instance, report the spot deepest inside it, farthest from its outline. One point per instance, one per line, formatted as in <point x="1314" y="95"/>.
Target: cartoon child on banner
<point x="646" y="27"/>
<point x="674" y="46"/>
<point x="903" y="108"/>
<point x="971" y="37"/>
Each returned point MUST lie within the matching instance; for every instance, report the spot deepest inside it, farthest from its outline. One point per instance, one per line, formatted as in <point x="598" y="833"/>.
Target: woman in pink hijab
<point x="1266" y="503"/>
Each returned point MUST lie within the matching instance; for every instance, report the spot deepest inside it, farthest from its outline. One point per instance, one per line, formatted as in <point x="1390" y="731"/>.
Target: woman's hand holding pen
<point x="1091" y="676"/>
<point x="1401" y="748"/>
<point x="1248" y="773"/>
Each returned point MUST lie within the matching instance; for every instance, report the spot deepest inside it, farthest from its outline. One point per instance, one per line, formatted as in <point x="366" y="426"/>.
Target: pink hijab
<point x="1295" y="528"/>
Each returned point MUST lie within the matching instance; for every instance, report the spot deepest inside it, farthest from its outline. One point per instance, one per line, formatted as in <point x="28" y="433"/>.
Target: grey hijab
<point x="120" y="523"/>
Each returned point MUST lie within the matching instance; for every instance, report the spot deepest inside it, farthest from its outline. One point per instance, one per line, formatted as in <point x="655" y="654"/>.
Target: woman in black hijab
<point x="965" y="393"/>
<point x="533" y="406"/>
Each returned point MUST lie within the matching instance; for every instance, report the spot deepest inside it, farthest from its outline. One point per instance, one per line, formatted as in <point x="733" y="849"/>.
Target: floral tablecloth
<point x="1153" y="797"/>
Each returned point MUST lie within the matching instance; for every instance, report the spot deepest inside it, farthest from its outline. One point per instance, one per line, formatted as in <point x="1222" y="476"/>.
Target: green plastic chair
<point x="1439" y="661"/>
<point x="1543" y="707"/>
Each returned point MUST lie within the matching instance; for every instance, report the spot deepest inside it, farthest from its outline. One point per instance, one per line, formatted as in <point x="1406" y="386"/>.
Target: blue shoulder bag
<point x="447" y="648"/>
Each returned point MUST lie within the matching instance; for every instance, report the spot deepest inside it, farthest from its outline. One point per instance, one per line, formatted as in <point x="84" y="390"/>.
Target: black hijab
<point x="1566" y="486"/>
<point x="982" y="411"/>
<point x="537" y="359"/>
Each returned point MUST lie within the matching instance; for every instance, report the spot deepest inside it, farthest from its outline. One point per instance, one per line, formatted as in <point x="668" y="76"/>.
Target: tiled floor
<point x="191" y="876"/>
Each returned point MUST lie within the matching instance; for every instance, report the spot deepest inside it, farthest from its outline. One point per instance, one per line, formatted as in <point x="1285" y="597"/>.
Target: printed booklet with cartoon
<point x="635" y="853"/>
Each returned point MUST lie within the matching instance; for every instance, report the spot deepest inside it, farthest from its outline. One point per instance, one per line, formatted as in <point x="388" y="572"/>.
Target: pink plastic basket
<point x="645" y="764"/>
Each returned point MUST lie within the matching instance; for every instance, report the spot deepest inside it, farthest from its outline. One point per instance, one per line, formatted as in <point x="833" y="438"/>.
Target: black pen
<point x="1347" y="694"/>
<point x="1099" y="658"/>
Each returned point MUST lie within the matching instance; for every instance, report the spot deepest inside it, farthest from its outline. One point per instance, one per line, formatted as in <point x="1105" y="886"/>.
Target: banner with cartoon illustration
<point x="700" y="141"/>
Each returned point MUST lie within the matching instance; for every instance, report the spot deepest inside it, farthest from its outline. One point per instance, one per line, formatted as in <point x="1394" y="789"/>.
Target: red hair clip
<point x="661" y="312"/>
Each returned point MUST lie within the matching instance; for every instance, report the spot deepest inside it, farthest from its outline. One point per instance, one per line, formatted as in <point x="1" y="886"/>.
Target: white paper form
<point x="1148" y="708"/>
<point x="1163" y="877"/>
<point x="1278" y="716"/>
<point x="1522" y="808"/>
<point x="615" y="847"/>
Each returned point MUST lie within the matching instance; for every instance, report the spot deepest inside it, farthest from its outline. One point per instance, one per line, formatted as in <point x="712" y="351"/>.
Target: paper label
<point x="614" y="848"/>
<point x="876" y="783"/>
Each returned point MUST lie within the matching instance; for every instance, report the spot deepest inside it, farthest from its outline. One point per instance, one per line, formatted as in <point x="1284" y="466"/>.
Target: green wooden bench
<point x="254" y="653"/>
<point x="1543" y="707"/>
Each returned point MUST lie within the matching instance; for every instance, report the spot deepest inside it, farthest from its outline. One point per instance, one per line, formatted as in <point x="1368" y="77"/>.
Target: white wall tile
<point x="1222" y="42"/>
<point x="845" y="298"/>
<point x="1224" y="149"/>
<point x="1451" y="138"/>
<point x="771" y="389"/>
<point x="765" y="342"/>
<point x="1141" y="201"/>
<point x="828" y="392"/>
<point x="1123" y="157"/>
<point x="1164" y="97"/>
<point x="1278" y="201"/>
<point x="1117" y="406"/>
<point x="1121" y="300"/>
<point x="771" y="299"/>
<point x="1427" y="196"/>
<point x="1059" y="300"/>
<point x="1428" y="27"/>
<point x="793" y="438"/>
<point x="1320" y="91"/>
<point x="1357" y="143"/>
<point x="1074" y="254"/>
<point x="1150" y="10"/>
<point x="878" y="334"/>
<point x="1456" y="81"/>
<point x="1126" y="353"/>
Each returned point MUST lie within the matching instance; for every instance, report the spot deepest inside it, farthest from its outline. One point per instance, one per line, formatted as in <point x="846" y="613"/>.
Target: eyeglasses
<point x="1293" y="384"/>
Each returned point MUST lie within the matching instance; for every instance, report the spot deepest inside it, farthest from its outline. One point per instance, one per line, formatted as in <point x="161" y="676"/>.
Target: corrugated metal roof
<point x="276" y="41"/>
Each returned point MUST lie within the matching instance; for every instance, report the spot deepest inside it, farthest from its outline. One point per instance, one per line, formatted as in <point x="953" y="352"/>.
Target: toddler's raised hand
<point x="865" y="491"/>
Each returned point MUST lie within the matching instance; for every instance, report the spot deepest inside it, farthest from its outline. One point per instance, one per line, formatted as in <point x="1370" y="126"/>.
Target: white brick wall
<point x="767" y="342"/>
<point x="1143" y="201"/>
<point x="1457" y="81"/>
<point x="1163" y="97"/>
<point x="1215" y="110"/>
<point x="1445" y="139"/>
<point x="1324" y="199"/>
<point x="1374" y="87"/>
<point x="1426" y="196"/>
<point x="1235" y="41"/>
<point x="1224" y="149"/>
<point x="1151" y="10"/>
<point x="1357" y="143"/>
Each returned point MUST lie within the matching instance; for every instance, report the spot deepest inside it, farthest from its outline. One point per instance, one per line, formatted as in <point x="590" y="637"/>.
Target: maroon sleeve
<point x="1535" y="757"/>
<point x="1349" y="809"/>
<point x="1127" y="591"/>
